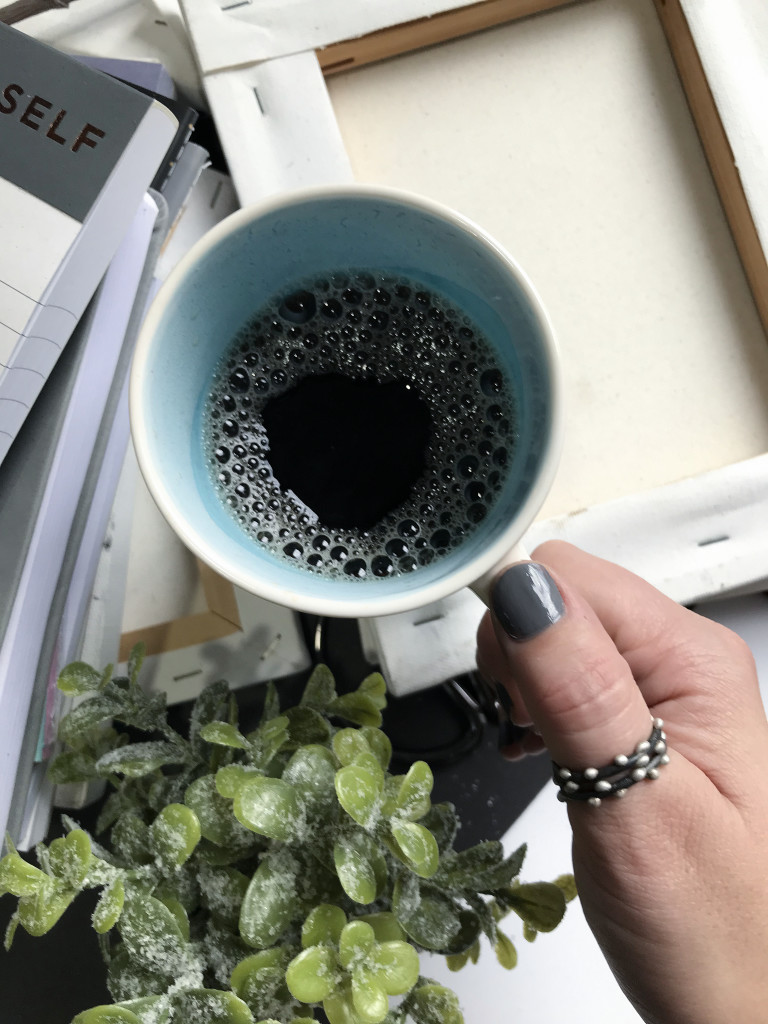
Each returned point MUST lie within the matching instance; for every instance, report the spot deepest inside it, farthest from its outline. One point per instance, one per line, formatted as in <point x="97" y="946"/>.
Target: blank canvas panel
<point x="568" y="137"/>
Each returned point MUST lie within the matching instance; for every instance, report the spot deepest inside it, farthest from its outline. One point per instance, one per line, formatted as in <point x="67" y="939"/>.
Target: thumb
<point x="577" y="687"/>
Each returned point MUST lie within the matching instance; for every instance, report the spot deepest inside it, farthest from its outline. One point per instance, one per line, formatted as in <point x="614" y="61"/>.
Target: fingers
<point x="571" y="678"/>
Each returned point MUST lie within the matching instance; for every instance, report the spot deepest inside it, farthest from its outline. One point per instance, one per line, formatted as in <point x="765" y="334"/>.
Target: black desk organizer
<point x="48" y="980"/>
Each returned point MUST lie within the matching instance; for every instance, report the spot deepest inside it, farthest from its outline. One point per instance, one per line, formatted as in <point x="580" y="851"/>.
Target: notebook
<point x="78" y="150"/>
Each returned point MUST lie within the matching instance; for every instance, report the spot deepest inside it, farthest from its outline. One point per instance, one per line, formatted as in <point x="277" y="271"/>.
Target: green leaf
<point x="10" y="932"/>
<point x="127" y="980"/>
<point x="369" y="998"/>
<point x="106" y="1015"/>
<point x="418" y="845"/>
<point x="361" y="867"/>
<point x="311" y="976"/>
<point x="179" y="913"/>
<point x="480" y="868"/>
<point x="271" y="702"/>
<point x="506" y="953"/>
<point x="339" y="1007"/>
<point x="70" y="857"/>
<point x="206" y="708"/>
<point x="350" y="743"/>
<point x="443" y="823"/>
<point x="214" y="812"/>
<point x="230" y="777"/>
<point x="174" y="834"/>
<point x="270" y="903"/>
<point x="306" y="726"/>
<point x="213" y="1006"/>
<point x="356" y="941"/>
<point x="323" y="926"/>
<point x="356" y="707"/>
<point x="135" y="661"/>
<point x="541" y="905"/>
<point x="385" y="926"/>
<point x="19" y="877"/>
<point x="375" y="687"/>
<point x="223" y="890"/>
<point x="396" y="966"/>
<point x="413" y="800"/>
<point x="268" y="740"/>
<point x="78" y="723"/>
<point x="435" y="1004"/>
<point x="320" y="689"/>
<point x="312" y="772"/>
<point x="257" y="978"/>
<point x="109" y="908"/>
<point x="78" y="678"/>
<point x="568" y="885"/>
<point x="130" y="839"/>
<point x="223" y="734"/>
<point x="432" y="919"/>
<point x="139" y="759"/>
<point x="270" y="807"/>
<point x="40" y="912"/>
<point x="359" y="792"/>
<point x="151" y="933"/>
<point x="72" y="766"/>
<point x="379" y="743"/>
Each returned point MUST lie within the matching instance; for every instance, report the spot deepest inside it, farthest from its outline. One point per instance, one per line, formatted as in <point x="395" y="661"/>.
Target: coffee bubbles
<point x="359" y="426"/>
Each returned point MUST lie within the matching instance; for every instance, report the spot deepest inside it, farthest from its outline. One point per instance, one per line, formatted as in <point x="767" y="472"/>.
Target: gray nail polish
<point x="526" y="601"/>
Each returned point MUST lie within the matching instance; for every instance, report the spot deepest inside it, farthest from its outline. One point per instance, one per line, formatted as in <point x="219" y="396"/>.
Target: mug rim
<point x="369" y="603"/>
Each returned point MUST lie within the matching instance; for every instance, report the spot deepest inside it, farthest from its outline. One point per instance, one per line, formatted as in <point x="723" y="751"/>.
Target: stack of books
<point x="94" y="172"/>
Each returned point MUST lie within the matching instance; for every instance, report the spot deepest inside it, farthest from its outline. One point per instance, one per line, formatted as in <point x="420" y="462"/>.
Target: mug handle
<point x="482" y="586"/>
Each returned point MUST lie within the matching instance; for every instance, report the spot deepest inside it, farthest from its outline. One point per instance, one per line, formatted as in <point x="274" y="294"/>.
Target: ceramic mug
<point x="242" y="263"/>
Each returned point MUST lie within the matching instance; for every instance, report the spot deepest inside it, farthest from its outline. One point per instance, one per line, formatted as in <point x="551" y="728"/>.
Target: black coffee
<point x="359" y="426"/>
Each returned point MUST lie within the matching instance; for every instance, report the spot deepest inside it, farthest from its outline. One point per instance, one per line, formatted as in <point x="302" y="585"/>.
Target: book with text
<point x="77" y="152"/>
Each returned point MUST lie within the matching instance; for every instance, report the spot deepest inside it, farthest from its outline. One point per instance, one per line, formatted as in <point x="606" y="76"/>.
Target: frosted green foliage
<point x="269" y="903"/>
<point x="355" y="975"/>
<point x="418" y="846"/>
<point x="107" y="1015"/>
<point x="361" y="866"/>
<point x="320" y="689"/>
<point x="232" y="776"/>
<point x="253" y="870"/>
<point x="365" y="704"/>
<point x="151" y="934"/>
<point x="270" y="807"/>
<point x="435" y="1004"/>
<point x="79" y="678"/>
<point x="107" y="912"/>
<point x="311" y="773"/>
<point x="70" y="857"/>
<point x="222" y="890"/>
<point x="18" y="877"/>
<point x="39" y="912"/>
<point x="209" y="1006"/>
<point x="359" y="788"/>
<point x="224" y="734"/>
<point x="174" y="834"/>
<point x="259" y="980"/>
<point x="214" y="812"/>
<point x="323" y="925"/>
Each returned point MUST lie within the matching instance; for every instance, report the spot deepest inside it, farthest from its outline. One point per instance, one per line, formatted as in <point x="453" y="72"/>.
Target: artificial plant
<point x="259" y="876"/>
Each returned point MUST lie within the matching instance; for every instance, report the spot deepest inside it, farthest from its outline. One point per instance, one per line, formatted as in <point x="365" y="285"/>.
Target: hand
<point x="673" y="878"/>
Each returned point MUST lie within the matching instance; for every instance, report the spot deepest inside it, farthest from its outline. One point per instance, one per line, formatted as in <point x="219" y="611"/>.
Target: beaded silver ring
<point x="593" y="785"/>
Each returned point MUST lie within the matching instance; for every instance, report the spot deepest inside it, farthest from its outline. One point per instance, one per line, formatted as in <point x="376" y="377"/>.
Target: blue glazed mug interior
<point x="264" y="250"/>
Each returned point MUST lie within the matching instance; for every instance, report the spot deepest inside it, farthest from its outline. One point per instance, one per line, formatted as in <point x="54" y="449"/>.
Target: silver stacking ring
<point x="593" y="785"/>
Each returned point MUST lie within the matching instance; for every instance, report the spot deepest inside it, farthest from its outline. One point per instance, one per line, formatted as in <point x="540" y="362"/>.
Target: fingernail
<point x="526" y="601"/>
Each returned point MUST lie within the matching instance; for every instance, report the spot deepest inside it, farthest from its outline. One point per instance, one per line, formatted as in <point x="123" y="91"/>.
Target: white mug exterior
<point x="476" y="571"/>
